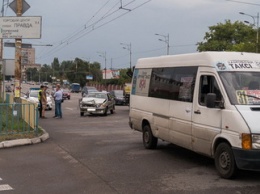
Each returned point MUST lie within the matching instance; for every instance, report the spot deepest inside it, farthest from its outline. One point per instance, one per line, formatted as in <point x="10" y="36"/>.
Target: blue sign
<point x="89" y="77"/>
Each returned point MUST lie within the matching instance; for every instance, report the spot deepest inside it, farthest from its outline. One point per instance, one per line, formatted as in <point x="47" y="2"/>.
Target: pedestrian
<point x="44" y="101"/>
<point x="58" y="101"/>
<point x="40" y="100"/>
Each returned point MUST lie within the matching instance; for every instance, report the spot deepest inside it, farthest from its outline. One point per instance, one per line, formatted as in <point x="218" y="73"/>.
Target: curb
<point x="21" y="142"/>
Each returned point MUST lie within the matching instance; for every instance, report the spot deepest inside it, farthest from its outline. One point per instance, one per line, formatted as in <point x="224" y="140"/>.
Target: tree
<point x="46" y="73"/>
<point x="55" y="67"/>
<point x="229" y="37"/>
<point x="31" y="74"/>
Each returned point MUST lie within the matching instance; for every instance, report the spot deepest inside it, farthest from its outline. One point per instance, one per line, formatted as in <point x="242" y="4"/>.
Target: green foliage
<point x="229" y="37"/>
<point x="75" y="71"/>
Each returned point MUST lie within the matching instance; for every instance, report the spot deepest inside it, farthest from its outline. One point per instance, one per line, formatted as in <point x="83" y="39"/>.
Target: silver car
<point x="97" y="103"/>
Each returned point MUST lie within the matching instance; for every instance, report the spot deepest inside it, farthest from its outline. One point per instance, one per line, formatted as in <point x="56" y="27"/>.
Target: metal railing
<point x="18" y="118"/>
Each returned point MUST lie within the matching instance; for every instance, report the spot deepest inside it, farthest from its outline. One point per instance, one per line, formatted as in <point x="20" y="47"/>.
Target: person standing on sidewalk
<point x="44" y="101"/>
<point x="40" y="100"/>
<point x="58" y="99"/>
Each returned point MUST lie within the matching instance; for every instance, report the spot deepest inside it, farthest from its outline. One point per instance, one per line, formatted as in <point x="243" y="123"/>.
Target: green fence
<point x="18" y="118"/>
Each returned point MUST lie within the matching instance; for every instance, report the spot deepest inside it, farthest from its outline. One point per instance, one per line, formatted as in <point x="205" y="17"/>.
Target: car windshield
<point x="98" y="95"/>
<point x="242" y="87"/>
<point x="92" y="90"/>
<point x="34" y="94"/>
<point x="119" y="93"/>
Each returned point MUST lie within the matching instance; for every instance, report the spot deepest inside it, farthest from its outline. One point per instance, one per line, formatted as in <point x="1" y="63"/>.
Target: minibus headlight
<point x="256" y="141"/>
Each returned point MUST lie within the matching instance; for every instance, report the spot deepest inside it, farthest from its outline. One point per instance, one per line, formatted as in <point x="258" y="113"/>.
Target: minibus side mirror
<point x="212" y="103"/>
<point x="210" y="100"/>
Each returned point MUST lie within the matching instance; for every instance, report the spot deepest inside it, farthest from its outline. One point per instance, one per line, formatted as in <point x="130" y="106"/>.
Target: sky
<point x="101" y="31"/>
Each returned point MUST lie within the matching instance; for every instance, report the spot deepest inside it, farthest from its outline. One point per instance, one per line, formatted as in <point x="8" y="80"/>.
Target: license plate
<point x="91" y="109"/>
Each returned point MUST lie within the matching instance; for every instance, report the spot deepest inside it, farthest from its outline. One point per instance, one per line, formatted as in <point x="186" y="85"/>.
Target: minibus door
<point x="206" y="122"/>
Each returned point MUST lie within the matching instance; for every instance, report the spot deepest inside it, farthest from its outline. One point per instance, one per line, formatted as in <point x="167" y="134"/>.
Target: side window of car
<point x="208" y="84"/>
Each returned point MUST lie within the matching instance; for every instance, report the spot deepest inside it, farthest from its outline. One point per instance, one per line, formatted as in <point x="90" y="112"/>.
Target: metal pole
<point x="130" y="55"/>
<point x="18" y="55"/>
<point x="168" y="44"/>
<point x="166" y="40"/>
<point x="257" y="31"/>
<point x="105" y="68"/>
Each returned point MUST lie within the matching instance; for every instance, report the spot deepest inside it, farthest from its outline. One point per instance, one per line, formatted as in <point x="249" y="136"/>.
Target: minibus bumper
<point x="247" y="159"/>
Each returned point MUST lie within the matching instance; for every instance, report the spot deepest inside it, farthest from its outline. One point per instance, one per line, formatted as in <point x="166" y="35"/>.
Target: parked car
<point x="118" y="97"/>
<point x="8" y="88"/>
<point x="66" y="94"/>
<point x="97" y="103"/>
<point x="88" y="89"/>
<point x="32" y="96"/>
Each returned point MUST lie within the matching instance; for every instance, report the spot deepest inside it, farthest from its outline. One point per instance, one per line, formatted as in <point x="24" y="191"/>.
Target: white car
<point x="97" y="103"/>
<point x="32" y="96"/>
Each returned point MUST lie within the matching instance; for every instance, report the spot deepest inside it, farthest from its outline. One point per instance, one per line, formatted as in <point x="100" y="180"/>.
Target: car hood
<point x="36" y="100"/>
<point x="33" y="99"/>
<point x="251" y="114"/>
<point x="96" y="100"/>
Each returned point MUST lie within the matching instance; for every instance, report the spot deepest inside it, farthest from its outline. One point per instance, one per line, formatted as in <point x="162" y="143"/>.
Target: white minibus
<point x="208" y="102"/>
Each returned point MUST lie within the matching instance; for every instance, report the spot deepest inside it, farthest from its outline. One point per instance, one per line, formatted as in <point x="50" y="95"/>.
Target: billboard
<point x="20" y="27"/>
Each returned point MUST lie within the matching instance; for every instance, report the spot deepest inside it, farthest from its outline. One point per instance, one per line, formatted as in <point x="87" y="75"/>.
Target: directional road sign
<point x="12" y="44"/>
<point x="20" y="27"/>
<point x="13" y="6"/>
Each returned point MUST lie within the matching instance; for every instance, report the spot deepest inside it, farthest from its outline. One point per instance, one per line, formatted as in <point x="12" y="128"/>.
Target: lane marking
<point x="5" y="187"/>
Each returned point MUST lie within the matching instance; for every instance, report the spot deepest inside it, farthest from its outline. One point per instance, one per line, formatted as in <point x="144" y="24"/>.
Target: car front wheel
<point x="105" y="112"/>
<point x="225" y="161"/>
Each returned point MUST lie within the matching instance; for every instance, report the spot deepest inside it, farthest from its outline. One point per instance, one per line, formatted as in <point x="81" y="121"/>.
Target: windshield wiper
<point x="249" y="96"/>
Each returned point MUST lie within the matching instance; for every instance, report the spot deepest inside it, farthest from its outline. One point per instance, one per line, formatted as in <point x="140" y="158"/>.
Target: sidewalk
<point x="20" y="142"/>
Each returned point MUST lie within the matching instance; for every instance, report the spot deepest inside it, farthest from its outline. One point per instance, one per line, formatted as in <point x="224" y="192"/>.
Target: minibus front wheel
<point x="149" y="141"/>
<point x="225" y="161"/>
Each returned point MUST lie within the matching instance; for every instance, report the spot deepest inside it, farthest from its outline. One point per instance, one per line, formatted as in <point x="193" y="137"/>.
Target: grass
<point x="14" y="127"/>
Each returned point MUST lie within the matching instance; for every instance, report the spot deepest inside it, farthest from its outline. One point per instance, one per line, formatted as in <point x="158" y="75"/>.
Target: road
<point x="101" y="154"/>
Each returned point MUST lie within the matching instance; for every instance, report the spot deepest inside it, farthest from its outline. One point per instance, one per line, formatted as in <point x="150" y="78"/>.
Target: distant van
<point x="75" y="88"/>
<point x="207" y="102"/>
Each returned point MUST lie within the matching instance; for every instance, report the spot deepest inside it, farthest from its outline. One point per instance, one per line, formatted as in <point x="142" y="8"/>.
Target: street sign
<point x="20" y="27"/>
<point x="13" y="6"/>
<point x="12" y="44"/>
<point x="89" y="77"/>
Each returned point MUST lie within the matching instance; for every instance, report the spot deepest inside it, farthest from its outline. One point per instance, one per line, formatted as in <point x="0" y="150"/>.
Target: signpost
<point x="25" y="6"/>
<point x="20" y="27"/>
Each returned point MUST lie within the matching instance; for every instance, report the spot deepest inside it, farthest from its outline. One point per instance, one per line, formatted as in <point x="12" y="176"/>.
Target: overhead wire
<point x="65" y="40"/>
<point x="94" y="26"/>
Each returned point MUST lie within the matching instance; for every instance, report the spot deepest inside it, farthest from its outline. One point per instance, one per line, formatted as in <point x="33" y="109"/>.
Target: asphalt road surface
<point x="102" y="155"/>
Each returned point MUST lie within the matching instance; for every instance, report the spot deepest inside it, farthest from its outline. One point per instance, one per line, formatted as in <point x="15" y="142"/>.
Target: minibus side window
<point x="208" y="84"/>
<point x="174" y="83"/>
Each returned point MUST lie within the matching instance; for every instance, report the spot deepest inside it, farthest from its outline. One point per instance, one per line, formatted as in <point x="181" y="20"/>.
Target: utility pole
<point x="129" y="48"/>
<point x="166" y="40"/>
<point x="18" y="55"/>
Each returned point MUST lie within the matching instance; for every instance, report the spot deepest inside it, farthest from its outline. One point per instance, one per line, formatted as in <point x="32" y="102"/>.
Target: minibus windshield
<point x="242" y="87"/>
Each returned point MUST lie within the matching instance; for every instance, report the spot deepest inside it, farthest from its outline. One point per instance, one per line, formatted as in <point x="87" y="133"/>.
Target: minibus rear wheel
<point x="225" y="162"/>
<point x="149" y="141"/>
